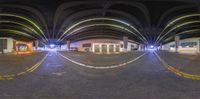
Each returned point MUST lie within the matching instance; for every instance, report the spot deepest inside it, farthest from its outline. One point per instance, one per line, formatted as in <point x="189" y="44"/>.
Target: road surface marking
<point x="103" y="67"/>
<point x="29" y="70"/>
<point x="176" y="71"/>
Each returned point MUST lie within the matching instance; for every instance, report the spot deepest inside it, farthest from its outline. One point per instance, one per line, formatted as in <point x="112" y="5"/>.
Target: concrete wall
<point x="9" y="45"/>
<point x="79" y="44"/>
<point x="187" y="49"/>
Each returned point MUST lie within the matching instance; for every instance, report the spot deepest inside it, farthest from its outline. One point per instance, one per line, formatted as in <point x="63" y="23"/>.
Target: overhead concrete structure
<point x="142" y="21"/>
<point x="177" y="40"/>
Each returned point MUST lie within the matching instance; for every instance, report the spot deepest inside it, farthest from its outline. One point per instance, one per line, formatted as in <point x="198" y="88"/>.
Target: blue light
<point x="152" y="46"/>
<point x="52" y="45"/>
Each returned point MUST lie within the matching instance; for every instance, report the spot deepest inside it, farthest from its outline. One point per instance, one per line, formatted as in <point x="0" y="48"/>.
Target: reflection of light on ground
<point x="151" y="48"/>
<point x="26" y="52"/>
<point x="52" y="45"/>
<point x="52" y="50"/>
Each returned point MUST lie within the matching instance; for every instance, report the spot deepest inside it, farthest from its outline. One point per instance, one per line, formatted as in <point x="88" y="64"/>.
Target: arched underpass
<point x="95" y="49"/>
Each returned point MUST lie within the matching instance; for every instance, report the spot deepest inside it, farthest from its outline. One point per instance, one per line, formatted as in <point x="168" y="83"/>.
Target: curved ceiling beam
<point x="140" y="6"/>
<point x="93" y="11"/>
<point x="64" y="6"/>
<point x="18" y="28"/>
<point x="23" y="25"/>
<point x="174" y="21"/>
<point x="184" y="32"/>
<point x="94" y="19"/>
<point x="27" y="20"/>
<point x="30" y="9"/>
<point x="111" y="25"/>
<point x="100" y="36"/>
<point x="13" y="31"/>
<point x="176" y="27"/>
<point x="168" y="12"/>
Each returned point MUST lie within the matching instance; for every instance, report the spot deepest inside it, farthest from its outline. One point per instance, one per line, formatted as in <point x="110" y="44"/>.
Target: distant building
<point x="103" y="46"/>
<point x="190" y="45"/>
<point x="8" y="45"/>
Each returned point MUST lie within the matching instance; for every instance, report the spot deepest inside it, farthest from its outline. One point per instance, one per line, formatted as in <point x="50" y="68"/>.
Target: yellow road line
<point x="29" y="70"/>
<point x="103" y="67"/>
<point x="176" y="71"/>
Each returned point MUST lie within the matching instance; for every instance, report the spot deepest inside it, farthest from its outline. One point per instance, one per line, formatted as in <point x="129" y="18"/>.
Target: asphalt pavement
<point x="58" y="78"/>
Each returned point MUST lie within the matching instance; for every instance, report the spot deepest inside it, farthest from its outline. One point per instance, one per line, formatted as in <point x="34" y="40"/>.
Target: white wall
<point x="195" y="49"/>
<point x="9" y="44"/>
<point x="129" y="46"/>
<point x="79" y="44"/>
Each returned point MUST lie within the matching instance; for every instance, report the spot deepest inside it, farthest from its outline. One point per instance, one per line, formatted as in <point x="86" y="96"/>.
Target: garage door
<point x="96" y="48"/>
<point x="104" y="48"/>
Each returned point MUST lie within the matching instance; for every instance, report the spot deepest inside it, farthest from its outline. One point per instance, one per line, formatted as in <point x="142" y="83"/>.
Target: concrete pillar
<point x="108" y="48"/>
<point x="160" y="47"/>
<point x="100" y="47"/>
<point x="36" y="44"/>
<point x="177" y="40"/>
<point x="125" y="42"/>
<point x="141" y="47"/>
<point x="1" y="48"/>
<point x="93" y="48"/>
<point x="198" y="46"/>
<point x="68" y="45"/>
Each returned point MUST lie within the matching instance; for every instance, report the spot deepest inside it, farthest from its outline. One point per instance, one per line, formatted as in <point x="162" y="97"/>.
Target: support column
<point x="68" y="45"/>
<point x="125" y="41"/>
<point x="141" y="47"/>
<point x="36" y="44"/>
<point x="60" y="46"/>
<point x="177" y="40"/>
<point x="100" y="47"/>
<point x="114" y="48"/>
<point x="160" y="47"/>
<point x="1" y="48"/>
<point x="198" y="46"/>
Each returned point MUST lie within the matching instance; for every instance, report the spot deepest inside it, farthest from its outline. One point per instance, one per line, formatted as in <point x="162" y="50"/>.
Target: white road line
<point x="103" y="67"/>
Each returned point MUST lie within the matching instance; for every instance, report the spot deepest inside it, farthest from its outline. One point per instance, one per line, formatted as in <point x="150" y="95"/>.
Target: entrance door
<point x="96" y="48"/>
<point x="111" y="48"/>
<point x="104" y="48"/>
<point x="3" y="44"/>
<point x="117" y="48"/>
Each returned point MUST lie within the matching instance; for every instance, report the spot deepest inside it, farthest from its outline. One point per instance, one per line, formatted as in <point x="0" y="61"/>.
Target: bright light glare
<point x="52" y="45"/>
<point x="151" y="46"/>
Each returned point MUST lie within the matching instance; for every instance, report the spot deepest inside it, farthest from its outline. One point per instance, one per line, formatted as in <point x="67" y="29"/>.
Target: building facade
<point x="6" y="45"/>
<point x="9" y="45"/>
<point x="190" y="45"/>
<point x="103" y="46"/>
